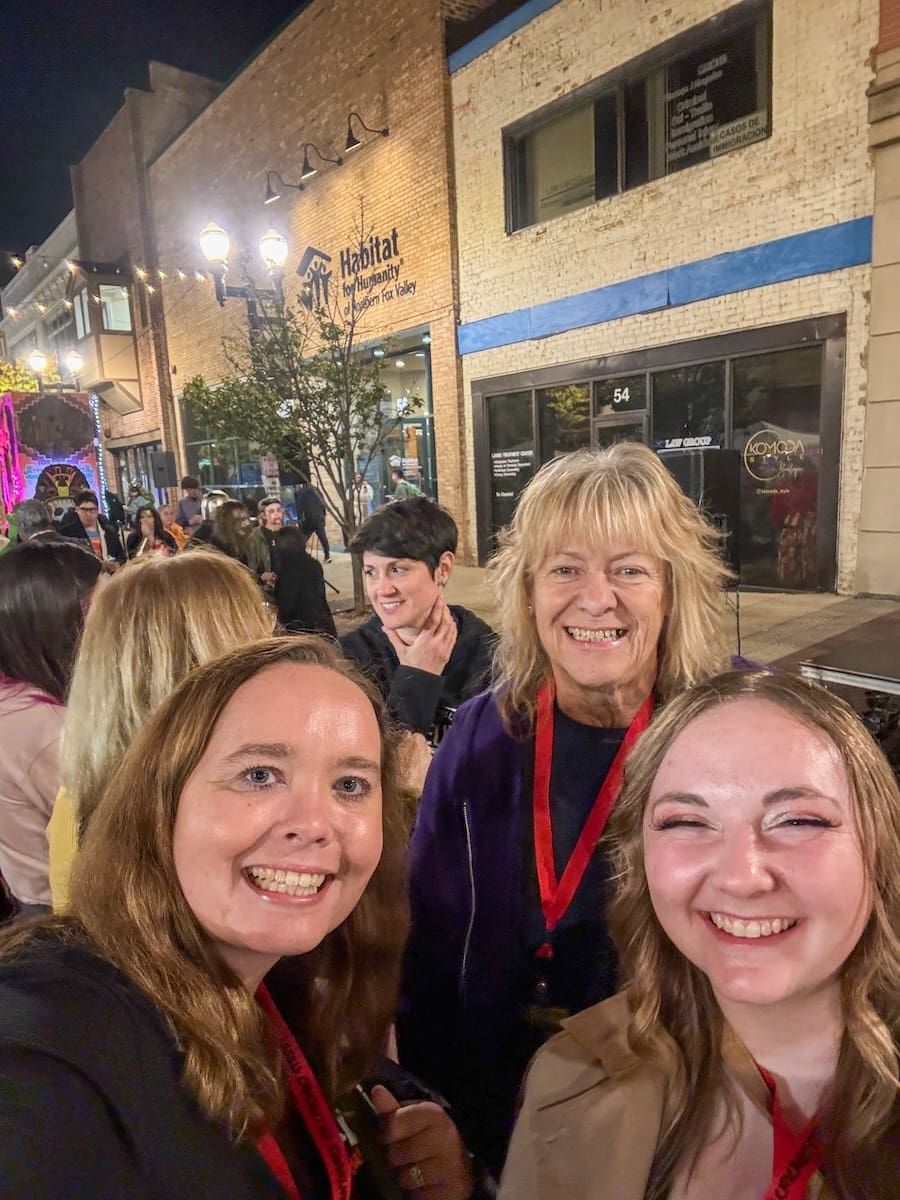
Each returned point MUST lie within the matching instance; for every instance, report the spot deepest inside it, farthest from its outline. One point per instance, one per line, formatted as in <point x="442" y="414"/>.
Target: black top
<point x="584" y="958"/>
<point x="134" y="540"/>
<point x="92" y="1106"/>
<point x="417" y="699"/>
<point x="91" y="1103"/>
<point x="300" y="590"/>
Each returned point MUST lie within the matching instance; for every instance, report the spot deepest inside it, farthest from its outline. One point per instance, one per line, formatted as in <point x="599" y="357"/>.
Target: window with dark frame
<point x="701" y="99"/>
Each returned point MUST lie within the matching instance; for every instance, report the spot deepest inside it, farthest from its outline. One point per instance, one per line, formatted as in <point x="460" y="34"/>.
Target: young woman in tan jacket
<point x="753" y="1051"/>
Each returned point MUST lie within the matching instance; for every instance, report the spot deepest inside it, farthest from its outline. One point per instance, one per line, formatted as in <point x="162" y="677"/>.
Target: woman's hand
<point x="432" y="646"/>
<point x="423" y="1148"/>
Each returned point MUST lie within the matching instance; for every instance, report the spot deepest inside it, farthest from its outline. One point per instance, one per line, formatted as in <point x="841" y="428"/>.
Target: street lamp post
<point x="74" y="363"/>
<point x="37" y="362"/>
<point x="273" y="248"/>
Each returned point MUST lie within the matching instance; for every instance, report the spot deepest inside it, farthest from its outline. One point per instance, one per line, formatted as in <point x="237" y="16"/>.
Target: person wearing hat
<point x="138" y="497"/>
<point x="190" y="513"/>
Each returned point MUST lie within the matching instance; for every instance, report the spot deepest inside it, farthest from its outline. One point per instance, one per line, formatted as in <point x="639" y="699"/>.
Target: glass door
<point x="609" y="430"/>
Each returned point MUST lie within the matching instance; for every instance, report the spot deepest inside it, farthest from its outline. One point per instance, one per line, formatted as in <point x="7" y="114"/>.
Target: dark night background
<point x="65" y="68"/>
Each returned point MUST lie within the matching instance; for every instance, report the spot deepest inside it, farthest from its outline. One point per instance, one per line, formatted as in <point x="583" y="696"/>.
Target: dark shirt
<point x="584" y="959"/>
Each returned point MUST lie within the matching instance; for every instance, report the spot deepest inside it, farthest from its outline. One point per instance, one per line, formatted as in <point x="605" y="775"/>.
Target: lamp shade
<point x="215" y="244"/>
<point x="307" y="170"/>
<point x="273" y="249"/>
<point x="74" y="362"/>
<point x="37" y="361"/>
<point x="353" y="142"/>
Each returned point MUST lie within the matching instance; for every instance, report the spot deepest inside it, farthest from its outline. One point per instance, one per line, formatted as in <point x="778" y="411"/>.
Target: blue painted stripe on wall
<point x="815" y="252"/>
<point x="487" y="40"/>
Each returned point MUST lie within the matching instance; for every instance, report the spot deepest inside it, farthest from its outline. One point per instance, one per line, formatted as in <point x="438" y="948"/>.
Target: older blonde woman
<point x="755" y="1049"/>
<point x="609" y="597"/>
<point x="147" y="628"/>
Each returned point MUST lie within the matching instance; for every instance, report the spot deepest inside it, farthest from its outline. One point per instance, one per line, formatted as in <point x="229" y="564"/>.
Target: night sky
<point x="65" y="68"/>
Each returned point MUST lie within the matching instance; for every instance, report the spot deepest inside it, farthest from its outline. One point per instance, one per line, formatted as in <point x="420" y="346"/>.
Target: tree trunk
<point x="359" y="584"/>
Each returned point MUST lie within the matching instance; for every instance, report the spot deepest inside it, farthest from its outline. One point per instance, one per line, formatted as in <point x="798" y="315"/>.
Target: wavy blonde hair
<point x="598" y="498"/>
<point x="147" y="628"/>
<point x="339" y="999"/>
<point x="667" y="991"/>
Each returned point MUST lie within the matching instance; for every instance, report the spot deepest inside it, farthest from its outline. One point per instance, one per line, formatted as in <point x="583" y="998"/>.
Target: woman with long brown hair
<point x="228" y="970"/>
<point x="755" y="1048"/>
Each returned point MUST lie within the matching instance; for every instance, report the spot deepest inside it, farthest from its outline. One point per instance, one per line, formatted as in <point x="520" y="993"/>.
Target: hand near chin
<point x="432" y="646"/>
<point x="424" y="1149"/>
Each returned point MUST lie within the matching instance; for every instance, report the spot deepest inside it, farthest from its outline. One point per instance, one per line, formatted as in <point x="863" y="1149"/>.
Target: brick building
<point x="385" y="62"/>
<point x="665" y="232"/>
<point x="879" y="527"/>
<point x="36" y="313"/>
<point x="119" y="329"/>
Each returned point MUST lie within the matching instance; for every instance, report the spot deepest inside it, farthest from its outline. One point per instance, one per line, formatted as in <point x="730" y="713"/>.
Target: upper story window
<point x="81" y="306"/>
<point x="115" y="307"/>
<point x="704" y="94"/>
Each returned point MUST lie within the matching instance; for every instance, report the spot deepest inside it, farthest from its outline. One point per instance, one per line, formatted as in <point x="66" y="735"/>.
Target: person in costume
<point x="45" y="588"/>
<point x="754" y="1050"/>
<point x="149" y="536"/>
<point x="608" y="594"/>
<point x="227" y="972"/>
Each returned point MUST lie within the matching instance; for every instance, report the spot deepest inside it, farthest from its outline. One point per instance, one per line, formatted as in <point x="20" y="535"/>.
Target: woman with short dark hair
<point x="44" y="588"/>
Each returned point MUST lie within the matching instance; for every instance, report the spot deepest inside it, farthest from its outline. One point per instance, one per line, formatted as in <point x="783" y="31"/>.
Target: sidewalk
<point x="774" y="625"/>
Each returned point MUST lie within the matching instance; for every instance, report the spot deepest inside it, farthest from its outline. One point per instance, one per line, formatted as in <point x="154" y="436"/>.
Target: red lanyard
<point x="557" y="895"/>
<point x="313" y="1109"/>
<point x="796" y="1157"/>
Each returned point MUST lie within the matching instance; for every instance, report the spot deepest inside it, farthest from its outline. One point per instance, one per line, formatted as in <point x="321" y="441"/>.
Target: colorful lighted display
<point x="48" y="447"/>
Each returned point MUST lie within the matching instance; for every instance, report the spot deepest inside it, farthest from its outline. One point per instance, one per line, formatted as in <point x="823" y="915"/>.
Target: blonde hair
<point x="147" y="628"/>
<point x="339" y="999"/>
<point x="668" y="991"/>
<point x="598" y="498"/>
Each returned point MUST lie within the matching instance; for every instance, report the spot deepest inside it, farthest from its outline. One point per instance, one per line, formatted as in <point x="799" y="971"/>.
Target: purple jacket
<point x="458" y="1027"/>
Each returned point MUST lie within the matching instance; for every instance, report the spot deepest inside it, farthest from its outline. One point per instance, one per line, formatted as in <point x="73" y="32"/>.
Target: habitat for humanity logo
<point x="316" y="276"/>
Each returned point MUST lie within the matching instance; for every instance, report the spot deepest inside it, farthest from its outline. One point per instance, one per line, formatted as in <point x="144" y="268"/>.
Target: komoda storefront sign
<point x="372" y="274"/>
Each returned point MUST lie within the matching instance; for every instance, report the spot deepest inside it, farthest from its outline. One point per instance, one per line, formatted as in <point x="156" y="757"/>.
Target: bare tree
<point x="300" y="388"/>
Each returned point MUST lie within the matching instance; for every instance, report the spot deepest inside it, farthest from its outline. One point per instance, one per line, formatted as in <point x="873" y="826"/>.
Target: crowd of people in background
<point x="577" y="907"/>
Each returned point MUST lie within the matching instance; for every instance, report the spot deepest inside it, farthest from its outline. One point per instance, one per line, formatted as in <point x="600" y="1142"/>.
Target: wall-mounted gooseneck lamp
<point x="353" y="142"/>
<point x="274" y="193"/>
<point x="308" y="170"/>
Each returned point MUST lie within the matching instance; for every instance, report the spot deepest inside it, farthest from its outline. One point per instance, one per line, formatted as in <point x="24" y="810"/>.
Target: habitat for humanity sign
<point x="372" y="274"/>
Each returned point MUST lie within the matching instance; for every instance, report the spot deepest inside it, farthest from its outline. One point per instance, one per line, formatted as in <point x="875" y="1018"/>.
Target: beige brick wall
<point x="814" y="171"/>
<point x="109" y="187"/>
<point x="386" y="61"/>
<point x="878" y="566"/>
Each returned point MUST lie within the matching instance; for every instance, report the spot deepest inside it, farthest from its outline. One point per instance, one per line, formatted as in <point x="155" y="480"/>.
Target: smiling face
<point x="403" y="591"/>
<point x="278" y="829"/>
<point x="752" y="854"/>
<point x="599" y="615"/>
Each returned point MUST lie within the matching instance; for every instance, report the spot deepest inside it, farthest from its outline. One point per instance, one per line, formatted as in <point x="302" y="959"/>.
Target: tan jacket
<point x="591" y="1115"/>
<point x="29" y="778"/>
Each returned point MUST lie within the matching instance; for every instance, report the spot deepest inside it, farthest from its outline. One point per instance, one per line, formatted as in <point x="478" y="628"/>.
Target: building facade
<point x="878" y="567"/>
<point x="374" y="229"/>
<point x="665" y="232"/>
<point x="36" y="311"/>
<point x="120" y="332"/>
